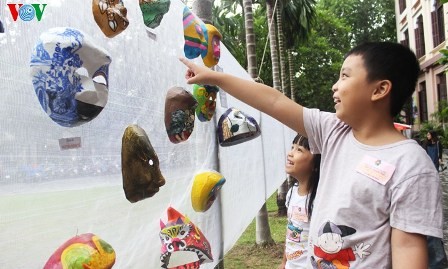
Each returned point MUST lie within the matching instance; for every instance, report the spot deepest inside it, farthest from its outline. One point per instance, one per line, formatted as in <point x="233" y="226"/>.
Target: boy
<point x="379" y="196"/>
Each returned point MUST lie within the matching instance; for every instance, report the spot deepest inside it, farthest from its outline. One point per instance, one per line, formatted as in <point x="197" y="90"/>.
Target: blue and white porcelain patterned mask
<point x="70" y="76"/>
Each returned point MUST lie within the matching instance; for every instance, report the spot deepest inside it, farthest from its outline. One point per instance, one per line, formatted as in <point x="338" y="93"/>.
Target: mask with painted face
<point x="70" y="76"/>
<point x="180" y="107"/>
<point x="211" y="57"/>
<point x="206" y="98"/>
<point x="140" y="165"/>
<point x="195" y="35"/>
<point x="153" y="11"/>
<point x="235" y="127"/>
<point x="183" y="244"/>
<point x="83" y="251"/>
<point x="205" y="189"/>
<point x="110" y="15"/>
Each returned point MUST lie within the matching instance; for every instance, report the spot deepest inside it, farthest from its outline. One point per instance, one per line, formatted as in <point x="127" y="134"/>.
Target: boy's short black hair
<point x="393" y="62"/>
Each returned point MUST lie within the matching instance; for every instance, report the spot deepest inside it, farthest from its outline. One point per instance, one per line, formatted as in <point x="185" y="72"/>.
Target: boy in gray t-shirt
<point x="378" y="197"/>
<point x="367" y="191"/>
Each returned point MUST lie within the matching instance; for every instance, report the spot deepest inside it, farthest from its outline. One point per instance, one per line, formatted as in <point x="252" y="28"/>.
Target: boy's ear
<point x="382" y="90"/>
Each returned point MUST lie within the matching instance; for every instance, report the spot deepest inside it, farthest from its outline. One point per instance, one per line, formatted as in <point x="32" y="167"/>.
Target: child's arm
<point x="259" y="96"/>
<point x="409" y="250"/>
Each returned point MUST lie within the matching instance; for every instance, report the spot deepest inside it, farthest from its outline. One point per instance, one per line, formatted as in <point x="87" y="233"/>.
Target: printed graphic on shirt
<point x="294" y="255"/>
<point x="329" y="252"/>
<point x="294" y="232"/>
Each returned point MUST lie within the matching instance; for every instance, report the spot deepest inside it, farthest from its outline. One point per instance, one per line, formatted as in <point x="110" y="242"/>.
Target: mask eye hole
<point x="100" y="79"/>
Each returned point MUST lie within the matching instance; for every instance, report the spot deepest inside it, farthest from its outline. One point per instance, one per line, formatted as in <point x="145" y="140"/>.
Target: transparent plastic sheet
<point x="48" y="195"/>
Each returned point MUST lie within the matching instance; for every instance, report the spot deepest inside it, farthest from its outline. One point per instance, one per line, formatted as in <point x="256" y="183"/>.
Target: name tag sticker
<point x="376" y="169"/>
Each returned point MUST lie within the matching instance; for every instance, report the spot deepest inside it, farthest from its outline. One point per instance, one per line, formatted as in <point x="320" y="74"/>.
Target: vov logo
<point x="27" y="12"/>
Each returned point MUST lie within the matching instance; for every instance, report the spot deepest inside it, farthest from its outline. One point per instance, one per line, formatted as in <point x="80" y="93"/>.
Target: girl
<point x="303" y="169"/>
<point x="433" y="148"/>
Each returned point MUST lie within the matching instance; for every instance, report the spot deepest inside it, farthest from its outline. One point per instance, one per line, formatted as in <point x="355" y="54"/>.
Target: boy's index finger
<point x="186" y="62"/>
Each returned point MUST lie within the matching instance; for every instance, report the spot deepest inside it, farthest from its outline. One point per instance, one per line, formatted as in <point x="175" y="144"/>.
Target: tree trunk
<point x="203" y="9"/>
<point x="263" y="232"/>
<point x="281" y="192"/>
<point x="250" y="39"/>
<point x="281" y="199"/>
<point x="273" y="45"/>
<point x="281" y="48"/>
<point x="292" y="76"/>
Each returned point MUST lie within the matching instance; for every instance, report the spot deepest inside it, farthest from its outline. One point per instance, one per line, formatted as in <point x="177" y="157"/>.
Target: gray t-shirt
<point x="363" y="192"/>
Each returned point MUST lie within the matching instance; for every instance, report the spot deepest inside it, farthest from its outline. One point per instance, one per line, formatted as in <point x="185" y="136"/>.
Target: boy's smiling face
<point x="352" y="92"/>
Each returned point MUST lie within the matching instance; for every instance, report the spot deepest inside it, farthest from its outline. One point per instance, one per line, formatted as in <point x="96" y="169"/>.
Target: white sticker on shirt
<point x="376" y="169"/>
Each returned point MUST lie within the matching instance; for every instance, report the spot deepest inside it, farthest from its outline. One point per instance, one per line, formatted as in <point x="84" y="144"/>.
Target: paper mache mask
<point x="206" y="186"/>
<point x="70" y="76"/>
<point x="206" y="98"/>
<point x="214" y="46"/>
<point x="82" y="252"/>
<point x="153" y="11"/>
<point x="180" y="107"/>
<point x="140" y="165"/>
<point x="110" y="15"/>
<point x="235" y="127"/>
<point x="195" y="34"/>
<point x="183" y="244"/>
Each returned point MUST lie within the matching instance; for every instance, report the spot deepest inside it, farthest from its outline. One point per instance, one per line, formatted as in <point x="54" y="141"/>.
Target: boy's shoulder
<point x="410" y="159"/>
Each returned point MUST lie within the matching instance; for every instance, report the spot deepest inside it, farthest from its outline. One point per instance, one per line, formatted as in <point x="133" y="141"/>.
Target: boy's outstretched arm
<point x="259" y="96"/>
<point x="409" y="250"/>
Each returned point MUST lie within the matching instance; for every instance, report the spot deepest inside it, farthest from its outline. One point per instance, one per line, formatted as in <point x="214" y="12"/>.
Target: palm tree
<point x="250" y="39"/>
<point x="270" y="10"/>
<point x="263" y="231"/>
<point x="231" y="28"/>
<point x="298" y="16"/>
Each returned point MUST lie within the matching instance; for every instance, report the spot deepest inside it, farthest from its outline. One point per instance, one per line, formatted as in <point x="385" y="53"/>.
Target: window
<point x="423" y="108"/>
<point x="441" y="87"/>
<point x="438" y="25"/>
<point x="420" y="38"/>
<point x="405" y="40"/>
<point x="402" y="5"/>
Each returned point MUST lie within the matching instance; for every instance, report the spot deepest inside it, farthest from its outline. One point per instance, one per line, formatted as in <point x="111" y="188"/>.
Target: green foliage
<point x="438" y="123"/>
<point x="432" y="126"/>
<point x="441" y="115"/>
<point x="444" y="59"/>
<point x="298" y="18"/>
<point x="231" y="27"/>
<point x="339" y="25"/>
<point x="369" y="20"/>
<point x="320" y="60"/>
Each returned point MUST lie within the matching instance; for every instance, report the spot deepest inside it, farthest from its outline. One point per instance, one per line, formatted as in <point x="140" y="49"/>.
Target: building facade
<point x="421" y="25"/>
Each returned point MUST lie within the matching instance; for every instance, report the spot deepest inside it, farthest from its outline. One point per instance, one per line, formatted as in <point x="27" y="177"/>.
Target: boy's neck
<point x="377" y="133"/>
